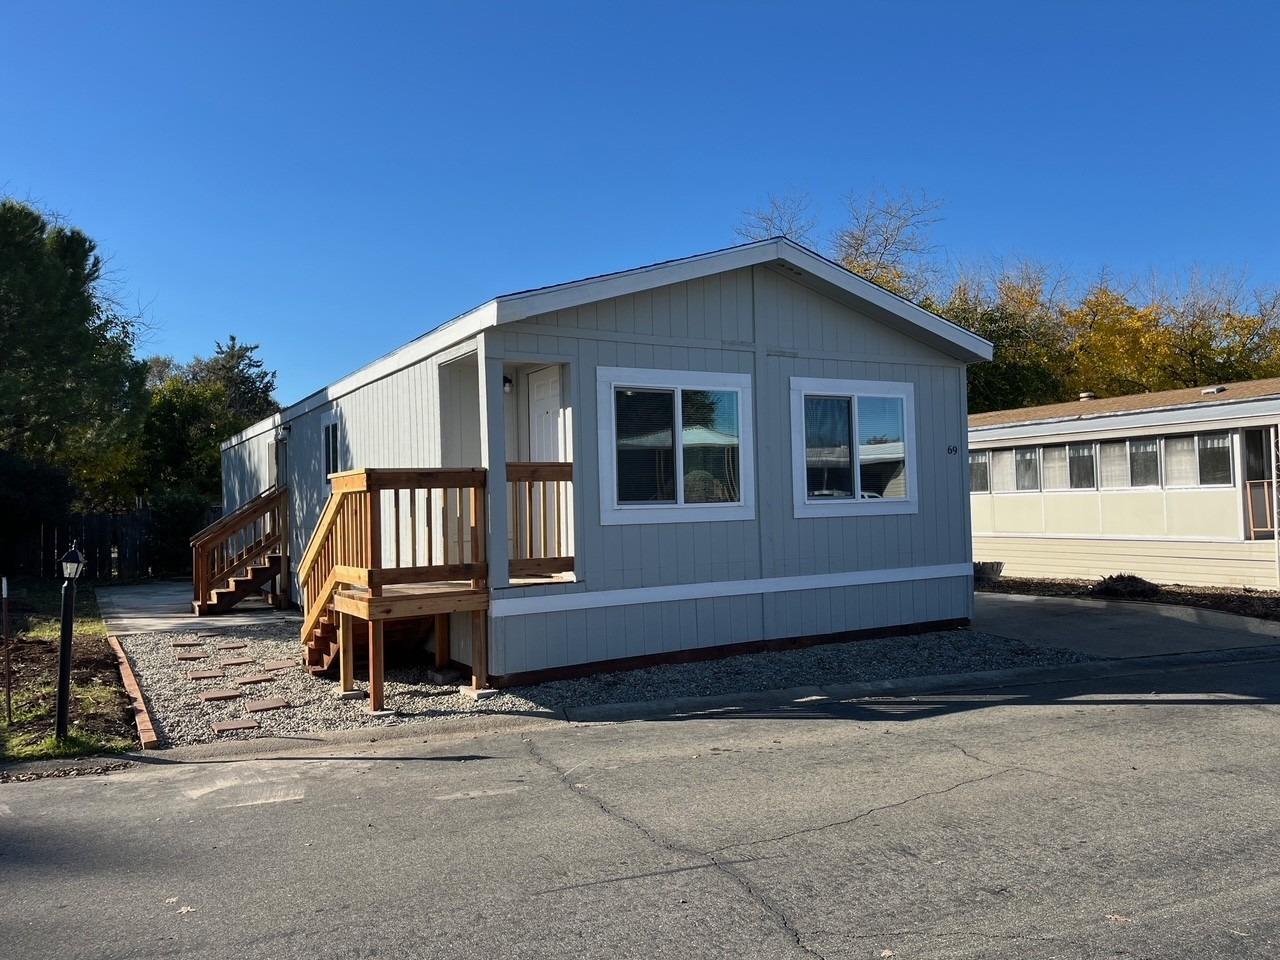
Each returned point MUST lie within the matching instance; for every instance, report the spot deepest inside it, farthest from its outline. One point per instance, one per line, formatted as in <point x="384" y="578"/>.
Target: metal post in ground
<point x="8" y="669"/>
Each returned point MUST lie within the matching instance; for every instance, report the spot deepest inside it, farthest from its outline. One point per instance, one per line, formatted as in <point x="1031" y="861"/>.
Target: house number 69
<point x="952" y="450"/>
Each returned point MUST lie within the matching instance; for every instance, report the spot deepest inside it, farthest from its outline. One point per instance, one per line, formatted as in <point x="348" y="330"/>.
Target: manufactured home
<point x="692" y="458"/>
<point x="1177" y="486"/>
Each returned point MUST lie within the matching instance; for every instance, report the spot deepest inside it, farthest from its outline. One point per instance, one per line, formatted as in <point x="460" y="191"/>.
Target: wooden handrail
<point x="527" y="470"/>
<point x="434" y="521"/>
<point x="231" y="544"/>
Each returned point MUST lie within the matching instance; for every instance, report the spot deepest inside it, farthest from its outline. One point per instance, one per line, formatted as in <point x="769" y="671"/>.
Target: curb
<point x="985" y="680"/>
<point x="146" y="729"/>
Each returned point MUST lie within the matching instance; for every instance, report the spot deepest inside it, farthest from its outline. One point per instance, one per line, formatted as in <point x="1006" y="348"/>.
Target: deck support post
<point x="442" y="641"/>
<point x="376" y="666"/>
<point x="346" y="653"/>
<point x="479" y="649"/>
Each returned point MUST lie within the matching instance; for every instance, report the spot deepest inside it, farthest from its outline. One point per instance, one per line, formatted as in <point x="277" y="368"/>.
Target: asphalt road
<point x="1133" y="817"/>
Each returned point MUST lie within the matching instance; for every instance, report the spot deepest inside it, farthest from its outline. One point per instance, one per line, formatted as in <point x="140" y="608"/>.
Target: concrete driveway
<point x="1114" y="628"/>
<point x="166" y="605"/>
<point x="1132" y="817"/>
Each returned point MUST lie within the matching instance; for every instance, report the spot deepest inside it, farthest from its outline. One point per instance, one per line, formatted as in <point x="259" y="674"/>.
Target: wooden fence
<point x="114" y="546"/>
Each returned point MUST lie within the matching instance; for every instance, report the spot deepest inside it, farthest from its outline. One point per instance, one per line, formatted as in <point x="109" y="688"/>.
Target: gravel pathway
<point x="181" y="717"/>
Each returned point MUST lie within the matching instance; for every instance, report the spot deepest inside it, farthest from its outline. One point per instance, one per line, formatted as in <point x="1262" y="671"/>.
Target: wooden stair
<point x="250" y="583"/>
<point x="242" y="554"/>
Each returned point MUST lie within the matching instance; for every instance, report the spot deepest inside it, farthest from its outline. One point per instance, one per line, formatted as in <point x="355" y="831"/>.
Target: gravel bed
<point x="181" y="717"/>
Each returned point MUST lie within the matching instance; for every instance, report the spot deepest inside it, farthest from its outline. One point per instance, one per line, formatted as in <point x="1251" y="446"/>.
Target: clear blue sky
<point x="334" y="179"/>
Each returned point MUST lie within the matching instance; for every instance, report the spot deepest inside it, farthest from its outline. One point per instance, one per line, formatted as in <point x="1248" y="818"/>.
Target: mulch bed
<point x="1245" y="601"/>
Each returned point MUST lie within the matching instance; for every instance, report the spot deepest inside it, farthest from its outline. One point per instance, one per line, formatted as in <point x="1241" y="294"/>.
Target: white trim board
<point x="555" y="603"/>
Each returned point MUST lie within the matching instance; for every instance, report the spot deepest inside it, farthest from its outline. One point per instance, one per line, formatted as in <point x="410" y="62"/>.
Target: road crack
<point x="861" y="816"/>
<point x="709" y="859"/>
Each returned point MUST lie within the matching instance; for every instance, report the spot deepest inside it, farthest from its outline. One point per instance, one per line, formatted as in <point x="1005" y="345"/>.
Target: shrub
<point x="987" y="571"/>
<point x="1125" y="586"/>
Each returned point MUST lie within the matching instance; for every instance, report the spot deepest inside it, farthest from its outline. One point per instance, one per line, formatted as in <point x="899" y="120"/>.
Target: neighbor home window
<point x="674" y="446"/>
<point x="979" y="471"/>
<point x="1053" y="466"/>
<point x="1200" y="460"/>
<point x="329" y="437"/>
<point x="1027" y="468"/>
<point x="1144" y="462"/>
<point x="1003" y="473"/>
<point x="1080" y="466"/>
<point x="1113" y="464"/>
<point x="852" y="447"/>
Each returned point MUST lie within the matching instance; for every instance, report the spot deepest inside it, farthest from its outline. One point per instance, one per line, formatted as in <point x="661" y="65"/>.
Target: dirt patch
<point x="101" y="719"/>
<point x="1244" y="601"/>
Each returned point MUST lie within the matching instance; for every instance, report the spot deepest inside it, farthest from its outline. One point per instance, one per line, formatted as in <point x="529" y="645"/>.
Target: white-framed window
<point x="674" y="446"/>
<point x="1026" y="461"/>
<point x="331" y="445"/>
<point x="1198" y="460"/>
<point x="853" y="447"/>
<point x="980" y="471"/>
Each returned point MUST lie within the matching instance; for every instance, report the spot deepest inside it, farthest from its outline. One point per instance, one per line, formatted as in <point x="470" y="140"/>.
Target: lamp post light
<point x="72" y="563"/>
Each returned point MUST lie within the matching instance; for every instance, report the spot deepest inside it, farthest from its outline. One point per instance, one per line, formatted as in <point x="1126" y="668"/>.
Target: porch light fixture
<point x="506" y="384"/>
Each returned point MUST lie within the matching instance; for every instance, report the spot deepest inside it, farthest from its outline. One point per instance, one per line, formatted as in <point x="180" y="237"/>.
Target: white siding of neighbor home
<point x="1192" y="562"/>
<point x="1189" y="535"/>
<point x="762" y="322"/>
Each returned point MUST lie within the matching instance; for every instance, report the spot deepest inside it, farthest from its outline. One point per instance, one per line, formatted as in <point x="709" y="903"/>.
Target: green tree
<point x="72" y="394"/>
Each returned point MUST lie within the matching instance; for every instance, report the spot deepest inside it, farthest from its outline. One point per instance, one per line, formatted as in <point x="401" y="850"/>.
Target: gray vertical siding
<point x="760" y="322"/>
<point x="757" y="321"/>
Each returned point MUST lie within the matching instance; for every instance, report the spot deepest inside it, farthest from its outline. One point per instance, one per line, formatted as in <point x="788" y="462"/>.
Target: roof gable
<point x="880" y="304"/>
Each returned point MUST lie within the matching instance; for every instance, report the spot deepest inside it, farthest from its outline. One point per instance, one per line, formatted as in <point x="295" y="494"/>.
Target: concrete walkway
<point x="166" y="605"/>
<point x="1115" y="628"/>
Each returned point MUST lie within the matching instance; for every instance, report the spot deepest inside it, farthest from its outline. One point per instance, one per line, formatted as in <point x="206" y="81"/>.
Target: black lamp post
<point x="72" y="563"/>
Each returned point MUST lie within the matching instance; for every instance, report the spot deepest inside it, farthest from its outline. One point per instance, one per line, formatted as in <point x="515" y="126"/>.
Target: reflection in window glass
<point x="645" y="430"/>
<point x="710" y="436"/>
<point x="1215" y="458"/>
<point x="1053" y="463"/>
<point x="882" y="449"/>
<point x="828" y="448"/>
<point x="1027" y="468"/>
<point x="979" y="472"/>
<point x="1113" y="463"/>
<point x="1144" y="462"/>
<point x="1080" y="461"/>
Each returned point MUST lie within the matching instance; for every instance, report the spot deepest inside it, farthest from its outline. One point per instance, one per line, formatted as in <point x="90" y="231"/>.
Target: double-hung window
<point x="853" y="447"/>
<point x="675" y="446"/>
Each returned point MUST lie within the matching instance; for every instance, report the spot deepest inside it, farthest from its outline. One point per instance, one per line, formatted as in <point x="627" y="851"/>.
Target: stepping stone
<point x="279" y="664"/>
<point x="235" y="645"/>
<point x="230" y="726"/>
<point x="236" y="663"/>
<point x="254" y="678"/>
<point x="271" y="703"/>
<point x="205" y="675"/>
<point x="188" y="643"/>
<point x="219" y="694"/>
<point x="194" y="655"/>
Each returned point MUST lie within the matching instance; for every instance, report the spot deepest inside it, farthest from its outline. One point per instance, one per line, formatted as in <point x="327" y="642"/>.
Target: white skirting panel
<point x="1218" y="563"/>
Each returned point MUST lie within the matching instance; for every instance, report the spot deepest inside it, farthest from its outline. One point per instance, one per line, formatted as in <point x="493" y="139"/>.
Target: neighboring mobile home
<point x="1176" y="487"/>
<point x="668" y="463"/>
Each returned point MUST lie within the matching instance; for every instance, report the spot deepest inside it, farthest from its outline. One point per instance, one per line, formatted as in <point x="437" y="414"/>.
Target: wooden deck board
<point x="403" y="600"/>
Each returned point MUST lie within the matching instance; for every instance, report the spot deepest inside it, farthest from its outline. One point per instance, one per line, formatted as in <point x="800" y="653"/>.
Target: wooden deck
<point x="410" y="544"/>
<point x="405" y="600"/>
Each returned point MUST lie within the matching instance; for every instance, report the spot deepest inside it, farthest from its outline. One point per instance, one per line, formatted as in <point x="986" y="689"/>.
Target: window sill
<point x="676" y="513"/>
<point x="856" y="508"/>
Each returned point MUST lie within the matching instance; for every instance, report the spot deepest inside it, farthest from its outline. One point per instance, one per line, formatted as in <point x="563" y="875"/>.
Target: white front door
<point x="546" y="420"/>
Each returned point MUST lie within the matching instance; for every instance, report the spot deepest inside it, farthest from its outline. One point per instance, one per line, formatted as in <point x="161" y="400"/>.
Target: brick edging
<point x="146" y="730"/>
